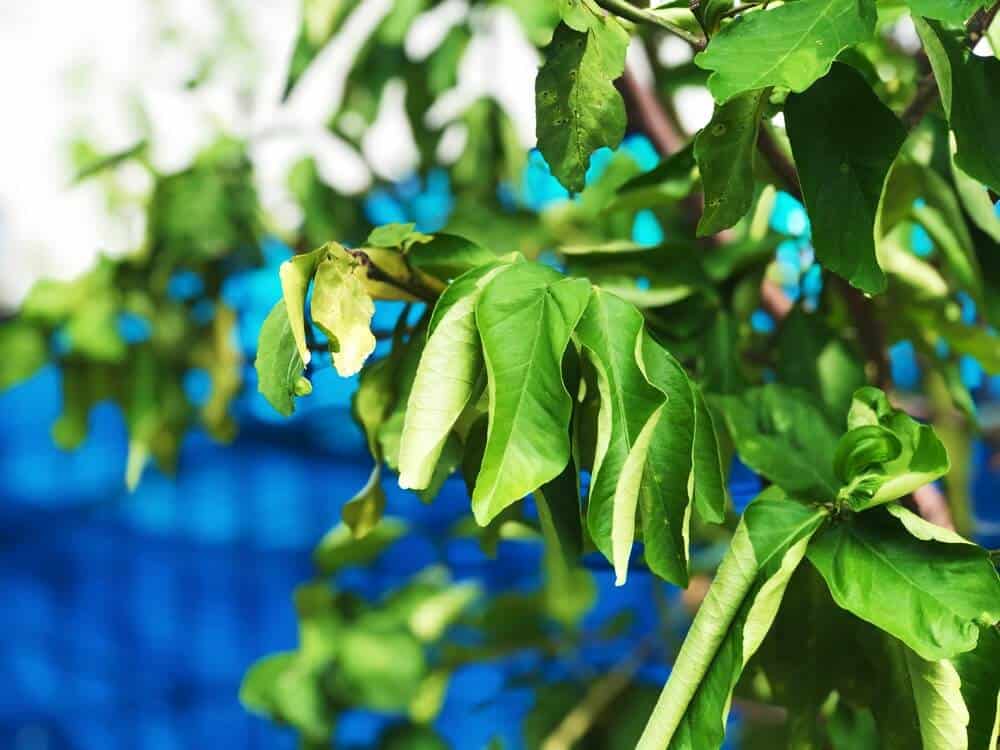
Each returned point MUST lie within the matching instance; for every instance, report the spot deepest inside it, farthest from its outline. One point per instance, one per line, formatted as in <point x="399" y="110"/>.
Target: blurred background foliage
<point x="428" y="632"/>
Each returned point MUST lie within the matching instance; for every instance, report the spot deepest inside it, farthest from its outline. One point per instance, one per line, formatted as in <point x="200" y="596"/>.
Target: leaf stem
<point x="630" y="12"/>
<point x="375" y="273"/>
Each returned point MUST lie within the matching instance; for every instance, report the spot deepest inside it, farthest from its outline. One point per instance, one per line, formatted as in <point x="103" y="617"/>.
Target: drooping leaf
<point x="296" y="274"/>
<point x="790" y="46"/>
<point x="941" y="711"/>
<point x="781" y="433"/>
<point x="279" y="364"/>
<point x="447" y="378"/>
<point x="363" y="512"/>
<point x="980" y="686"/>
<point x="941" y="592"/>
<point x="725" y="150"/>
<point x="578" y="109"/>
<point x="339" y="547"/>
<point x="609" y="333"/>
<point x="976" y="201"/>
<point x="342" y="309"/>
<point x="844" y="141"/>
<point x="970" y="93"/>
<point x="879" y="468"/>
<point x="731" y="623"/>
<point x="525" y="317"/>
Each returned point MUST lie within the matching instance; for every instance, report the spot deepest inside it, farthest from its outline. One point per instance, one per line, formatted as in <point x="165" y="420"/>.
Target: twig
<point x="980" y="23"/>
<point x="626" y="10"/>
<point x="377" y="274"/>
<point x="778" y="162"/>
<point x="597" y="699"/>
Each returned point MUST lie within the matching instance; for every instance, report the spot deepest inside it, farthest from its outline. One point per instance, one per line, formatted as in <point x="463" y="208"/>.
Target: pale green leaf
<point x="295" y="275"/>
<point x="844" y="141"/>
<point x="941" y="711"/>
<point x="920" y="456"/>
<point x="724" y="150"/>
<point x="525" y="318"/>
<point x="342" y="309"/>
<point x="609" y="333"/>
<point x="731" y="623"/>
<point x="578" y="109"/>
<point x="447" y="378"/>
<point x="790" y="46"/>
<point x="941" y="592"/>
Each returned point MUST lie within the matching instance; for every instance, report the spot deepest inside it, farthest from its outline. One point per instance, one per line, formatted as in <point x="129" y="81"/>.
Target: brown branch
<point x="375" y="273"/>
<point x="980" y="23"/>
<point x="645" y="111"/>
<point x="779" y="162"/>
<point x="927" y="92"/>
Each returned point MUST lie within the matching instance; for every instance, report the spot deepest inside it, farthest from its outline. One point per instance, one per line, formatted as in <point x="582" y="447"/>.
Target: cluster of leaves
<point x="621" y="361"/>
<point x="132" y="329"/>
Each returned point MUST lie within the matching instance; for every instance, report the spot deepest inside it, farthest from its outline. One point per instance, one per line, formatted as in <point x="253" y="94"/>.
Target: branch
<point x="597" y="699"/>
<point x="626" y="10"/>
<point x="647" y="113"/>
<point x="778" y="162"/>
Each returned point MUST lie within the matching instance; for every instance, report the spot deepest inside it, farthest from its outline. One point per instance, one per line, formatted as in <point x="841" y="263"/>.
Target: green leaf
<point x="672" y="179"/>
<point x="279" y="364"/>
<point x="578" y="109"/>
<point x="258" y="686"/>
<point x="916" y="457"/>
<point x="447" y="379"/>
<point x="725" y="150"/>
<point x="363" y="512"/>
<point x="295" y="275"/>
<point x="409" y="737"/>
<point x="379" y="667"/>
<point x="609" y="333"/>
<point x="342" y="310"/>
<point x="941" y="591"/>
<point x="24" y="350"/>
<point x="790" y="46"/>
<point x="525" y="317"/>
<point x="844" y="141"/>
<point x="395" y="236"/>
<point x="558" y="504"/>
<point x="731" y="623"/>
<point x="941" y="711"/>
<point x="976" y="201"/>
<point x="448" y="256"/>
<point x="970" y="93"/>
<point x="954" y="12"/>
<point x="980" y="686"/>
<point x="812" y="357"/>
<point x="780" y="433"/>
<point x="339" y="547"/>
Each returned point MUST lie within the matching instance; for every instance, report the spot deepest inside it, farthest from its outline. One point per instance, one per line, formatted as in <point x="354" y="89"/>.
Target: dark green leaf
<point x="578" y="110"/>
<point x="844" y="141"/>
<point x="725" y="150"/>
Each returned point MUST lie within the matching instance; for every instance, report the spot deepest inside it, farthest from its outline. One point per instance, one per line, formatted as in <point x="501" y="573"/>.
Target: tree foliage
<point x="562" y="359"/>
